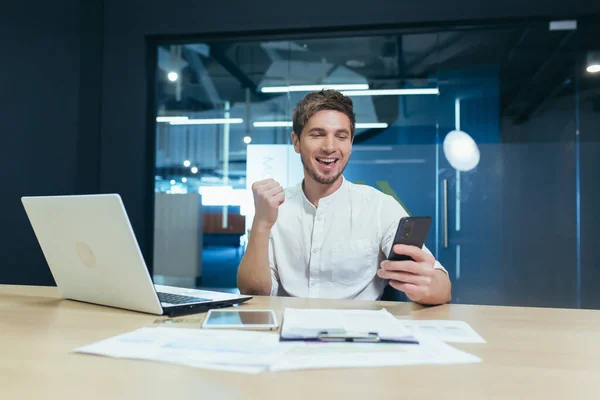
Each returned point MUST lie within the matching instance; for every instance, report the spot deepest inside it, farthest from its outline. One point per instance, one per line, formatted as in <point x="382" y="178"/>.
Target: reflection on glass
<point x="506" y="115"/>
<point x="461" y="151"/>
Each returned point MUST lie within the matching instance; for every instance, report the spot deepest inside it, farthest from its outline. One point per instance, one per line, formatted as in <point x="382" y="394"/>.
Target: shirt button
<point x="319" y="218"/>
<point x="314" y="251"/>
<point x="313" y="283"/>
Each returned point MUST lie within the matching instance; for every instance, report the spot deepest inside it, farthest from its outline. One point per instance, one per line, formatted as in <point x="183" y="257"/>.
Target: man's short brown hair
<point x="326" y="99"/>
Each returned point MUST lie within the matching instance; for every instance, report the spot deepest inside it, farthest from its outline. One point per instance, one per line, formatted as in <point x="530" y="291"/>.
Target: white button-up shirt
<point x="333" y="250"/>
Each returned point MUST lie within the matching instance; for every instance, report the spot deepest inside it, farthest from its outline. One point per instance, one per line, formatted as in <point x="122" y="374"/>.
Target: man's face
<point x="325" y="145"/>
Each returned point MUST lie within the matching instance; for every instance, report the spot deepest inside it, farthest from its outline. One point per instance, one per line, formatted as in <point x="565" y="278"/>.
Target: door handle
<point x="445" y="205"/>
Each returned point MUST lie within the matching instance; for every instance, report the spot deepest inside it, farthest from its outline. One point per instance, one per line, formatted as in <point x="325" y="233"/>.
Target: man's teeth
<point x="326" y="160"/>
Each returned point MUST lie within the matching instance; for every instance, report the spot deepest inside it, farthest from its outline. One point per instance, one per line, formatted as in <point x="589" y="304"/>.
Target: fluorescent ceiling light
<point x="312" y="88"/>
<point x="208" y="121"/>
<point x="594" y="68"/>
<point x="272" y="124"/>
<point x="391" y="92"/>
<point x="287" y="124"/>
<point x="372" y="125"/>
<point x="170" y="119"/>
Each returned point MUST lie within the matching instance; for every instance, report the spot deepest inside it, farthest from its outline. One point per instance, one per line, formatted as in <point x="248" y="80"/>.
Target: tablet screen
<point x="222" y="317"/>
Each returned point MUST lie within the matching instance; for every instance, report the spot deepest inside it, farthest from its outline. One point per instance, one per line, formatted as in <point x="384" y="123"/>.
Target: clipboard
<point x="304" y="326"/>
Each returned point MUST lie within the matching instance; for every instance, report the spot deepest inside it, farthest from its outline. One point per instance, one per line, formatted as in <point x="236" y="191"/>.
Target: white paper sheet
<point x="446" y="331"/>
<point x="254" y="352"/>
<point x="303" y="323"/>
<point x="239" y="351"/>
<point x="318" y="355"/>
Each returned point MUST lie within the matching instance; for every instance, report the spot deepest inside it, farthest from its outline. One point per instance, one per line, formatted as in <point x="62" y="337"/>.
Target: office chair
<point x="391" y="294"/>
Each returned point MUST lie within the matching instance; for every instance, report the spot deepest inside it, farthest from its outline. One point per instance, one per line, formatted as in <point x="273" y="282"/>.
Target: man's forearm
<point x="254" y="274"/>
<point x="441" y="290"/>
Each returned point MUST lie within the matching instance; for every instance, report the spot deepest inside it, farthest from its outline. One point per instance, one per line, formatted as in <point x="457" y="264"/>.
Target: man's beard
<point x="324" y="180"/>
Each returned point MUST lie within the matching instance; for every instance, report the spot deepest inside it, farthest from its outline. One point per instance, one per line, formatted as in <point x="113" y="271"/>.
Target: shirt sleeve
<point x="273" y="267"/>
<point x="391" y="213"/>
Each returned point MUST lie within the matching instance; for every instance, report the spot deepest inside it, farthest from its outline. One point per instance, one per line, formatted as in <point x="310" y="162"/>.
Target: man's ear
<point x="296" y="142"/>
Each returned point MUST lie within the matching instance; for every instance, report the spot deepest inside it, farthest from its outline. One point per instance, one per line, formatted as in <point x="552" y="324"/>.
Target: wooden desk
<point x="531" y="353"/>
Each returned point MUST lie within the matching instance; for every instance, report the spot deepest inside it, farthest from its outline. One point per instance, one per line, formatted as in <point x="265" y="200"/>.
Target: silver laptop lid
<point x="92" y="251"/>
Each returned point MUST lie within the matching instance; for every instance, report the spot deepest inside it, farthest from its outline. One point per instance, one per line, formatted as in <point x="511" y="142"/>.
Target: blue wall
<point x="515" y="206"/>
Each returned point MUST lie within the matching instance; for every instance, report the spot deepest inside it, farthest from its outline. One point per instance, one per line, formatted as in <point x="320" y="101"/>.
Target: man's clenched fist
<point x="268" y="196"/>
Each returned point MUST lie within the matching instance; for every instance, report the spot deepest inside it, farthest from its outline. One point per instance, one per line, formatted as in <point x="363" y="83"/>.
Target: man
<point x="328" y="237"/>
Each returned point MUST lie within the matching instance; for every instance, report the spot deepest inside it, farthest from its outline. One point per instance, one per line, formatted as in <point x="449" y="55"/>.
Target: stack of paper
<point x="359" y="355"/>
<point x="254" y="352"/>
<point x="239" y="351"/>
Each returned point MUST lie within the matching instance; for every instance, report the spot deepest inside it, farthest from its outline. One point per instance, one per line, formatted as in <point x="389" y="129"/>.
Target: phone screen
<point x="249" y="317"/>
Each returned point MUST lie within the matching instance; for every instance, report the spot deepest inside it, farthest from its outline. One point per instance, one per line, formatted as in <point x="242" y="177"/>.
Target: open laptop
<point x="94" y="257"/>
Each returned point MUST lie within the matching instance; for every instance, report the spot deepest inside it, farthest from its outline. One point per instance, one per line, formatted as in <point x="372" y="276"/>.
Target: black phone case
<point x="416" y="236"/>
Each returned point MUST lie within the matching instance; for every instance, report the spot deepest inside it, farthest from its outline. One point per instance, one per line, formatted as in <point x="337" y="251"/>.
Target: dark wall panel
<point x="39" y="88"/>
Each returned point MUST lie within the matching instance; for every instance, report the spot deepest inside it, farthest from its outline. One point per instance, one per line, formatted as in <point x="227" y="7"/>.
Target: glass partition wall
<point x="491" y="131"/>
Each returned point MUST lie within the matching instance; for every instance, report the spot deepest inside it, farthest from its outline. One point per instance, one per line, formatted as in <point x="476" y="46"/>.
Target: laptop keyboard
<point x="178" y="298"/>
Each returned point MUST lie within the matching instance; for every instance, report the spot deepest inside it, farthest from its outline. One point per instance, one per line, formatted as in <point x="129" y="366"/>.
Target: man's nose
<point x="329" y="144"/>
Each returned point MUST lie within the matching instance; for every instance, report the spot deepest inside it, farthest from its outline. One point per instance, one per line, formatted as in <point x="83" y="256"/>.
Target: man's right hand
<point x="268" y="196"/>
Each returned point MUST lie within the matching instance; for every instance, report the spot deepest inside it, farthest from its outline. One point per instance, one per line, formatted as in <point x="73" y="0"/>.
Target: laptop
<point x="94" y="257"/>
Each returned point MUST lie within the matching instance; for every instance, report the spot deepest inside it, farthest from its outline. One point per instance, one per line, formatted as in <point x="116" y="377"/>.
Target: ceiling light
<point x="594" y="68"/>
<point x="391" y="92"/>
<point x="279" y="124"/>
<point x="372" y="125"/>
<point x="194" y="170"/>
<point x="272" y="124"/>
<point x="593" y="62"/>
<point x="247" y="139"/>
<point x="170" y="119"/>
<point x="173" y="76"/>
<point x="208" y="121"/>
<point x="187" y="163"/>
<point x="184" y="179"/>
<point x="172" y="181"/>
<point x="312" y="88"/>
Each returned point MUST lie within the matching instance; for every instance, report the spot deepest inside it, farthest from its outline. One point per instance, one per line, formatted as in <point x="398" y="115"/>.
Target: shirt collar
<point x="324" y="201"/>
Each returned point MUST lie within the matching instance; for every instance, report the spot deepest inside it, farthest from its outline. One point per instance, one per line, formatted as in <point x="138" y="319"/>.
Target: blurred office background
<point x="490" y="129"/>
<point x="487" y="119"/>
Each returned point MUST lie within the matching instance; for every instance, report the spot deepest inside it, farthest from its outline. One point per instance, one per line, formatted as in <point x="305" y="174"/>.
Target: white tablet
<point x="240" y="319"/>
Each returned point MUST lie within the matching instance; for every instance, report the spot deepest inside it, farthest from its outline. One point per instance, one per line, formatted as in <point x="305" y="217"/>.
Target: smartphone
<point x="240" y="319"/>
<point x="411" y="231"/>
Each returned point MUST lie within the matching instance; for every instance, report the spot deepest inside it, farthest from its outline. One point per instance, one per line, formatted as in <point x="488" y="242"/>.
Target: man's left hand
<point x="418" y="279"/>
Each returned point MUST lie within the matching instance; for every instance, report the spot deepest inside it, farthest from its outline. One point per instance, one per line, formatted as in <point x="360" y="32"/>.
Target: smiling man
<point x="327" y="237"/>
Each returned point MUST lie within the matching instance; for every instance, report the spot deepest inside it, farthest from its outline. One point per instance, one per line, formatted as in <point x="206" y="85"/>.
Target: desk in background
<point x="531" y="353"/>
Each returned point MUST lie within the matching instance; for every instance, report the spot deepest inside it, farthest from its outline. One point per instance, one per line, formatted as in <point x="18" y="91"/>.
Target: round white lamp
<point x="461" y="151"/>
